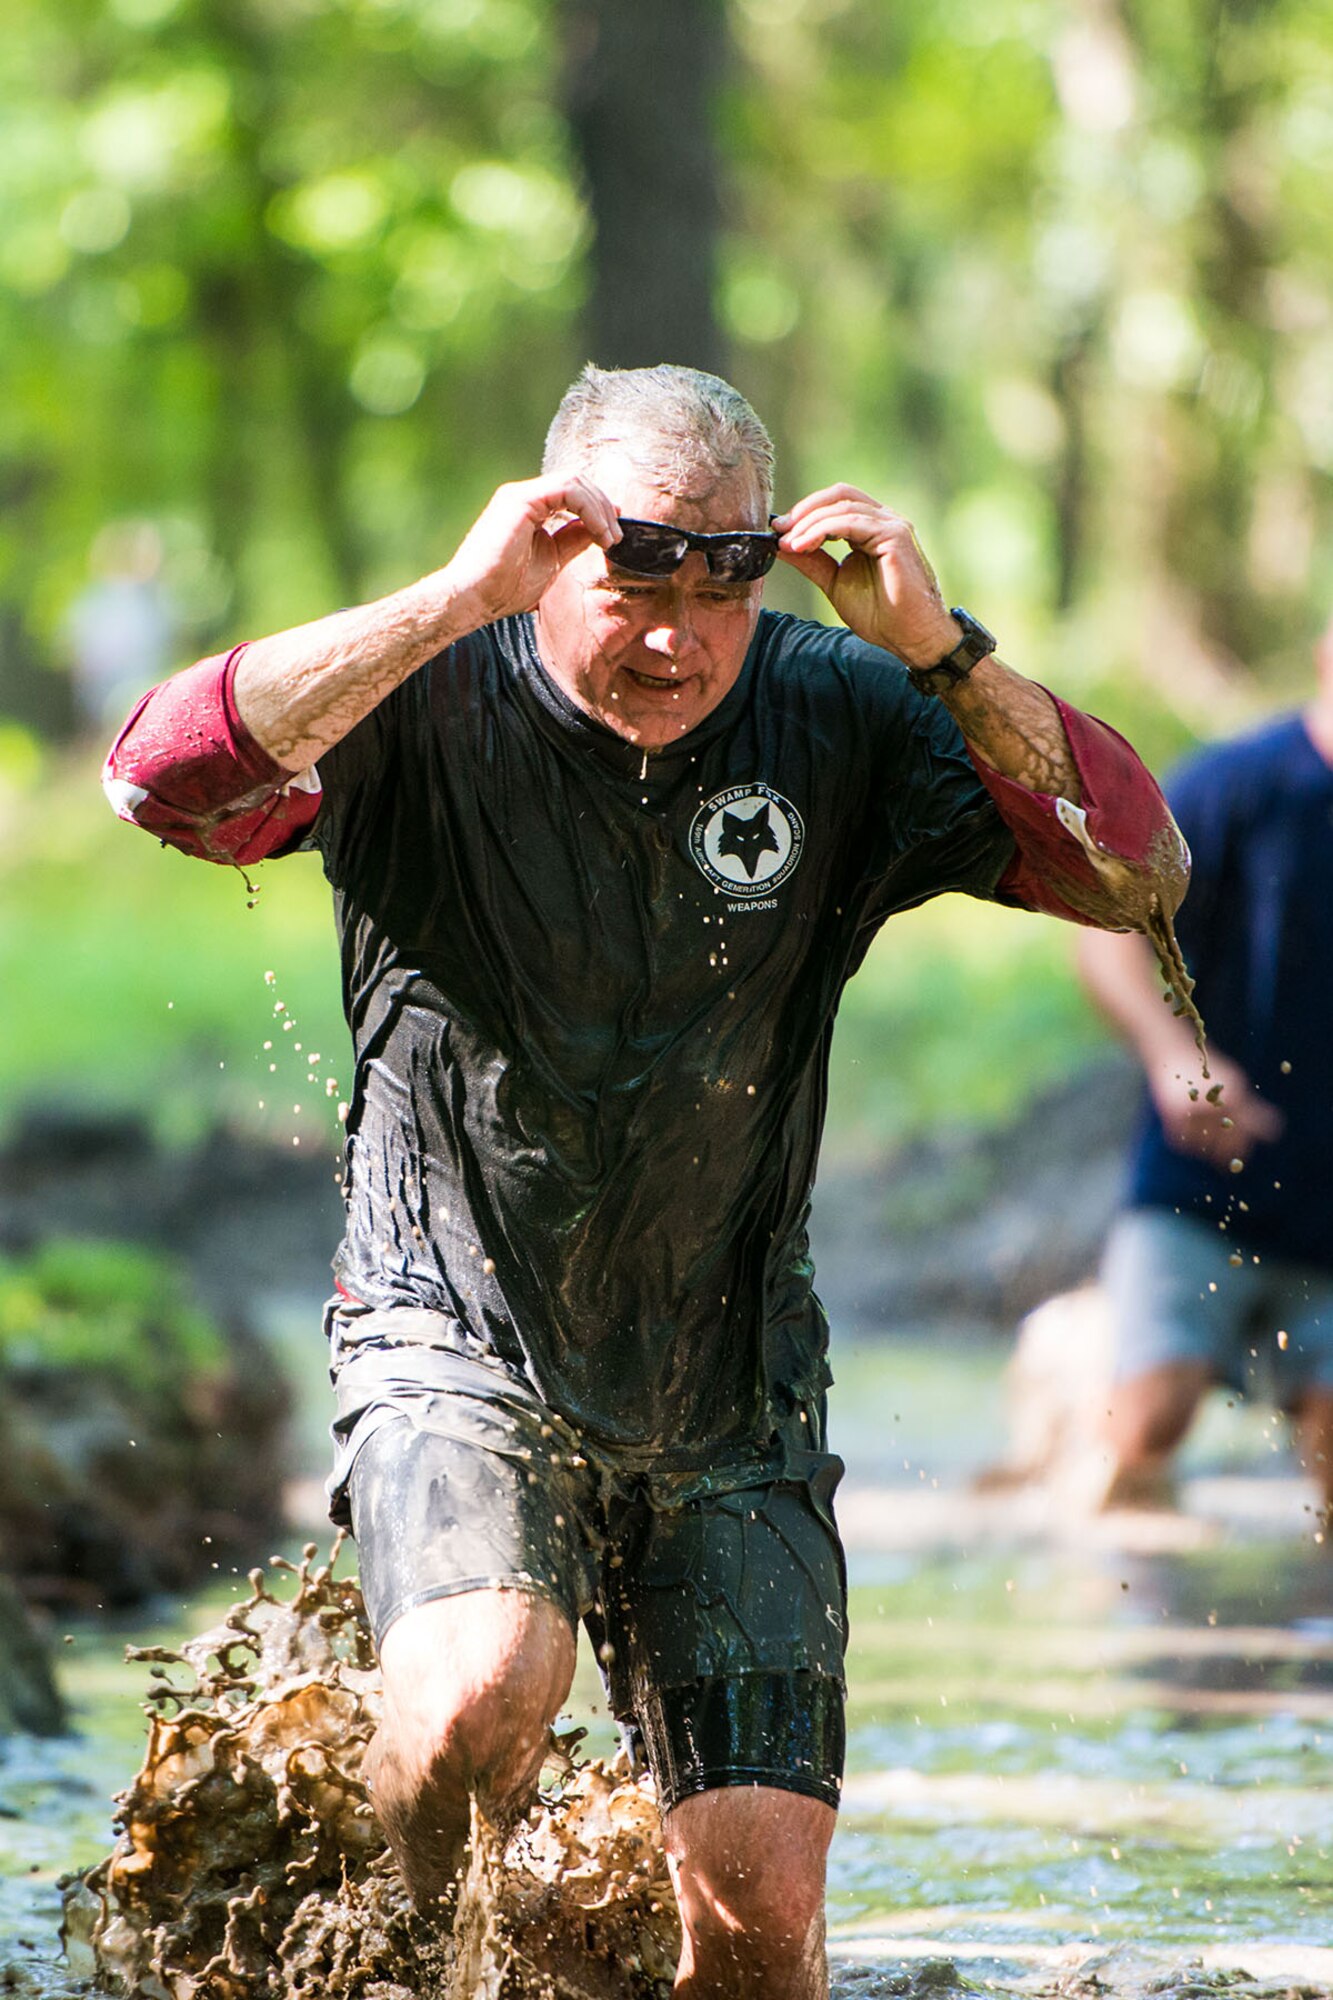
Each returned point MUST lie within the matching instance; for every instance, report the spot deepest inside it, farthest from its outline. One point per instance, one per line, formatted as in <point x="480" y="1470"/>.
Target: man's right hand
<point x="299" y="692"/>
<point x="523" y="538"/>
<point x="1218" y="1118"/>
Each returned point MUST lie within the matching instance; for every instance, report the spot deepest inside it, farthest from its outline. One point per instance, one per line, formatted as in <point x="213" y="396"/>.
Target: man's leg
<point x="472" y="1684"/>
<point x="748" y="1865"/>
<point x="1147" y="1418"/>
<point x="470" y="1570"/>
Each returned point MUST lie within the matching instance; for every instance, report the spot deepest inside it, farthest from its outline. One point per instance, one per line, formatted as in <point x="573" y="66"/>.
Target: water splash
<point x="250" y="1864"/>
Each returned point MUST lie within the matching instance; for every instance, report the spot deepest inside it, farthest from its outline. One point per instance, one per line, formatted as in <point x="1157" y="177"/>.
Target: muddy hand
<point x="1218" y="1121"/>
<point x="526" y="534"/>
<point x="883" y="588"/>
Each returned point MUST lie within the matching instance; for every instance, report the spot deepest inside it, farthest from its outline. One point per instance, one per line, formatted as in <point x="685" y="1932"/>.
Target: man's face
<point x="652" y="656"/>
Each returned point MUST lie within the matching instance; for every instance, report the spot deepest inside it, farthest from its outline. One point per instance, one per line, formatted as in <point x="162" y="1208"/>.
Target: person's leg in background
<point x="1177" y="1306"/>
<point x="1301" y="1337"/>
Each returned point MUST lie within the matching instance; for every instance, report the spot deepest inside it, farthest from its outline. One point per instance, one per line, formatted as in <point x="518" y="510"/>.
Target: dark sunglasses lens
<point x="648" y="548"/>
<point x="741" y="558"/>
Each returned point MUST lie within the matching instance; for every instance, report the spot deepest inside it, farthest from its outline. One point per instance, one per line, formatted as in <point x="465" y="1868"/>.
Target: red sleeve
<point x="1122" y="814"/>
<point x="186" y="768"/>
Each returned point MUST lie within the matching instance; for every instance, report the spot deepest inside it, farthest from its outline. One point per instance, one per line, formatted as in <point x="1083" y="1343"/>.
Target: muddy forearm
<point x="1100" y="850"/>
<point x="1015" y="726"/>
<point x="300" y="691"/>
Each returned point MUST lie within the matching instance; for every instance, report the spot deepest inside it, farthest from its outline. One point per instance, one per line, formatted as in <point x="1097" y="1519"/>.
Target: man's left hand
<point x="883" y="589"/>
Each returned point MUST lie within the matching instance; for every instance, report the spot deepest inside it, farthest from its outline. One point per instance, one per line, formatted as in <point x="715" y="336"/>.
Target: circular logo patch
<point x="747" y="840"/>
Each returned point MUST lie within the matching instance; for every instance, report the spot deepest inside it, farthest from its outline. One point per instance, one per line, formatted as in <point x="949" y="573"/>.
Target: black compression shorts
<point x="719" y="1621"/>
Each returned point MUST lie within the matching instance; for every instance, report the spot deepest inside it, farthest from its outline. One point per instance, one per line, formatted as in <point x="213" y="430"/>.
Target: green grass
<point x="134" y="978"/>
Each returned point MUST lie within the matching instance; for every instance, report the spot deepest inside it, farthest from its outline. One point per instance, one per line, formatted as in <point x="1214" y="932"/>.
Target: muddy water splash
<point x="250" y="1862"/>
<point x="1161" y="933"/>
<point x="1146" y="895"/>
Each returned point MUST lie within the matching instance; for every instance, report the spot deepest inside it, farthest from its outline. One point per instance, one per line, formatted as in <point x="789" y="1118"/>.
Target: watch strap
<point x="976" y="644"/>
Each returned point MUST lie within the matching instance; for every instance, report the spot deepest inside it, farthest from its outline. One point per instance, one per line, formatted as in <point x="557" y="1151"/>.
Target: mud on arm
<point x="1096" y="841"/>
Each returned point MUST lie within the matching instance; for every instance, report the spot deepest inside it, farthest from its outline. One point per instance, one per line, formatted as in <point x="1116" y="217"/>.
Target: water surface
<point x="1081" y="1761"/>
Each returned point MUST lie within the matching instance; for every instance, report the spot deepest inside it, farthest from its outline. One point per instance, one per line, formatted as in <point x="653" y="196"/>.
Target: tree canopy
<point x="299" y="281"/>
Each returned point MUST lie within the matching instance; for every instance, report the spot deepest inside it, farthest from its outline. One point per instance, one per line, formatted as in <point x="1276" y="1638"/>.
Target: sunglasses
<point x="651" y="548"/>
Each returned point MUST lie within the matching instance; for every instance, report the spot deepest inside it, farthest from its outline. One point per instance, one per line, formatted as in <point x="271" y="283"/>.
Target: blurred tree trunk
<point x="269" y="375"/>
<point x="640" y="89"/>
<point x="1070" y="382"/>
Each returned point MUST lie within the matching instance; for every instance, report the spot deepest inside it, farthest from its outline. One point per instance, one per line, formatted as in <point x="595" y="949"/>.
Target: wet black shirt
<point x="591" y="999"/>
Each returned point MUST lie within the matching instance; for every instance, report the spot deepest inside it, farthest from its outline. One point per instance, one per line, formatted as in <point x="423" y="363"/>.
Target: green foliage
<point x="959" y="1014"/>
<point x="133" y="976"/>
<point x="243" y="243"/>
<point x="104" y="1308"/>
<point x="1053" y="278"/>
<point x="299" y="281"/>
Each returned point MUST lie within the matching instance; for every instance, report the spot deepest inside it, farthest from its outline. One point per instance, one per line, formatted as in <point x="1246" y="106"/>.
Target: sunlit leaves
<point x="250" y="230"/>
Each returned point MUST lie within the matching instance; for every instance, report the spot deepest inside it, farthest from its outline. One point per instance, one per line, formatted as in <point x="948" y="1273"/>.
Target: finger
<point x="862" y="526"/>
<point x="570" y="540"/>
<point x="1260" y="1119"/>
<point x="817" y="564"/>
<point x="814" y="518"/>
<point x="576" y="494"/>
<point x="825" y="496"/>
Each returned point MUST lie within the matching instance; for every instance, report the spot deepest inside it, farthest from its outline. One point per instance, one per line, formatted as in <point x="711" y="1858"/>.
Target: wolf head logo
<point x="746" y="839"/>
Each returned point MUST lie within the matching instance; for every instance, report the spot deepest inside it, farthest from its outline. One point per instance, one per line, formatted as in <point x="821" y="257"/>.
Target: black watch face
<point x="976" y="641"/>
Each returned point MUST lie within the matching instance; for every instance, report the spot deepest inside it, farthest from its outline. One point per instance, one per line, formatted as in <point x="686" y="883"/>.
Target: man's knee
<point x="472" y="1684"/>
<point x="749" y="1862"/>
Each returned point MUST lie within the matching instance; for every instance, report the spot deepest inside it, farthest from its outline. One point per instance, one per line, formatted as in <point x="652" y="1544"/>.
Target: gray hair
<point x="673" y="423"/>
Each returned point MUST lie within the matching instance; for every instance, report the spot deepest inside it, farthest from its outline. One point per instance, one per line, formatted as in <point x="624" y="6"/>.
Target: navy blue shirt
<point x="1257" y="932"/>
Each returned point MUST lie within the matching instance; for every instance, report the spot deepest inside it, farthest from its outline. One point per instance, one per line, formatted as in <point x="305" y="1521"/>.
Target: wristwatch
<point x="974" y="645"/>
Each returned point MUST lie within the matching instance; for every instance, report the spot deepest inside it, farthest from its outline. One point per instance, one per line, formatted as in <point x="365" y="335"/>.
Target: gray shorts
<point x="715" y="1599"/>
<point x="1263" y="1325"/>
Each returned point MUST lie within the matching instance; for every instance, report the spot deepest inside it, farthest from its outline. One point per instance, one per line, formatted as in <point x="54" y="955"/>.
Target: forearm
<point x="1096" y="841"/>
<point x="1120" y="976"/>
<point x="1207" y="1104"/>
<point x="1015" y="727"/>
<point x="301" y="691"/>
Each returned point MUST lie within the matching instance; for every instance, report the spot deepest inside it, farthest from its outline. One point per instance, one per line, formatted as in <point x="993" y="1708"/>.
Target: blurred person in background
<point x="606" y="840"/>
<point x="119" y="632"/>
<point x="1220" y="1269"/>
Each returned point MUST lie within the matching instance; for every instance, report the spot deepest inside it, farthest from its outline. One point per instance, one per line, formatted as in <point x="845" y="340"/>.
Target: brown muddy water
<point x="1084" y="1759"/>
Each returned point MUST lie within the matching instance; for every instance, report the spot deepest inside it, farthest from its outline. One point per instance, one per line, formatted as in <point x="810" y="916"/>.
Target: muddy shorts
<point x="1175" y="1295"/>
<point x="716" y="1602"/>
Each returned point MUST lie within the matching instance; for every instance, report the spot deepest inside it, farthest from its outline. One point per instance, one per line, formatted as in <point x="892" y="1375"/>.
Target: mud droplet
<point x="1283" y="1338"/>
<point x="1236" y="1166"/>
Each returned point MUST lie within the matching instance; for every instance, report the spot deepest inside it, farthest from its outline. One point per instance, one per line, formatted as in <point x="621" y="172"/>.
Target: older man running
<point x="606" y="841"/>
